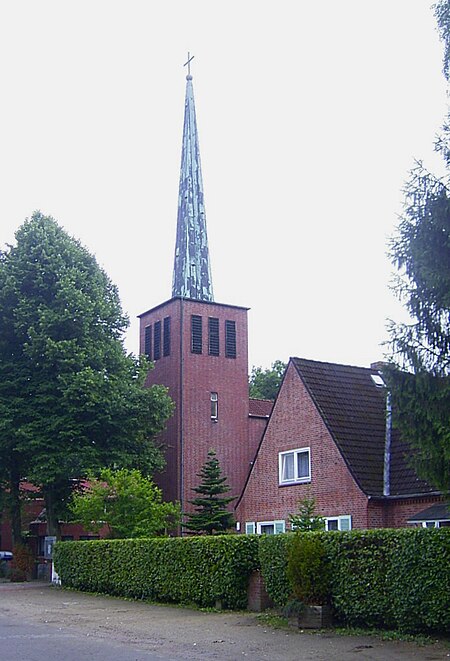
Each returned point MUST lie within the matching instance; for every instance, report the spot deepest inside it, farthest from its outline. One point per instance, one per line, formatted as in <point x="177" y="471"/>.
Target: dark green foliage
<point x="306" y="519"/>
<point x="421" y="348"/>
<point x="394" y="579"/>
<point x="308" y="569"/>
<point x="199" y="570"/>
<point x="71" y="399"/>
<point x="273" y="557"/>
<point x="211" y="514"/>
<point x="265" y="384"/>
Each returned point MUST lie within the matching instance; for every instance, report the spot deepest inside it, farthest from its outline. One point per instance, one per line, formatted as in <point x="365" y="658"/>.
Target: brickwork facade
<point x="296" y="423"/>
<point x="193" y="379"/>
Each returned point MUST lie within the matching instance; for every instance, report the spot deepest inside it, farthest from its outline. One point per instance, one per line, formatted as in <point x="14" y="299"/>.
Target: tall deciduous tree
<point x="265" y="384"/>
<point x="420" y="384"/>
<point x="127" y="502"/>
<point x="211" y="514"/>
<point x="71" y="399"/>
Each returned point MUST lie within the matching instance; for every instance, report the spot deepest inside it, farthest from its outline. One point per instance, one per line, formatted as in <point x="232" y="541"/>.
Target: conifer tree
<point x="211" y="514"/>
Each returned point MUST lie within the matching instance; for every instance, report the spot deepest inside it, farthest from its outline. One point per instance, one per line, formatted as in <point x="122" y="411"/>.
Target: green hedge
<point x="200" y="570"/>
<point x="397" y="579"/>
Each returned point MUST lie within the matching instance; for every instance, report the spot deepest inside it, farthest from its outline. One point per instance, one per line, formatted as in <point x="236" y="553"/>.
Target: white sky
<point x="310" y="115"/>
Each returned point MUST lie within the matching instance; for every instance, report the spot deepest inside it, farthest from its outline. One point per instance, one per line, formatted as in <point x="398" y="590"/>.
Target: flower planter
<point x="313" y="617"/>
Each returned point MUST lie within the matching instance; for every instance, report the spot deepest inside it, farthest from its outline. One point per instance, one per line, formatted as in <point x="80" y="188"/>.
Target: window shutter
<point x="346" y="522"/>
<point x="230" y="339"/>
<point x="196" y="334"/>
<point x="157" y="341"/>
<point x="166" y="340"/>
<point x="249" y="528"/>
<point x="148" y="341"/>
<point x="213" y="329"/>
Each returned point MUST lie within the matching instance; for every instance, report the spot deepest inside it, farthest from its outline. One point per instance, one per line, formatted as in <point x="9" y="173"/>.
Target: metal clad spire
<point x="191" y="273"/>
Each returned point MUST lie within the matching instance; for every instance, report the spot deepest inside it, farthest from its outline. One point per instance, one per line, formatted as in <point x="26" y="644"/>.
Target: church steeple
<point x="191" y="273"/>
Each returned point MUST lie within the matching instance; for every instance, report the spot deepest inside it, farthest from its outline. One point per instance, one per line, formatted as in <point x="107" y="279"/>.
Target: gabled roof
<point x="260" y="408"/>
<point x="353" y="407"/>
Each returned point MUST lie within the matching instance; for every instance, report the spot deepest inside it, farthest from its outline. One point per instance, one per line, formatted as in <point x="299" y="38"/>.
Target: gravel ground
<point x="180" y="633"/>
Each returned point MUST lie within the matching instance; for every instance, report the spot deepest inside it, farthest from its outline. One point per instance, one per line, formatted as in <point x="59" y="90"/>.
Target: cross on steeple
<point x="188" y="63"/>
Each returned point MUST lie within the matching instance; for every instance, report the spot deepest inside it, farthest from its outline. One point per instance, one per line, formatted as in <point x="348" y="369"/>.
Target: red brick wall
<point x="191" y="378"/>
<point x="399" y="511"/>
<point x="296" y="423"/>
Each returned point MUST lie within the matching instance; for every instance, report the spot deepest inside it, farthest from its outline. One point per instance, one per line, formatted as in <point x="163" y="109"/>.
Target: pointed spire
<point x="191" y="273"/>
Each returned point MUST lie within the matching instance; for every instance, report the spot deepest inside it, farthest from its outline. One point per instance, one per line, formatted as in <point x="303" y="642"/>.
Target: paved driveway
<point x="39" y="622"/>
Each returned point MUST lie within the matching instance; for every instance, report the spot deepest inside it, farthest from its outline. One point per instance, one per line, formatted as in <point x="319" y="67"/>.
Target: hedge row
<point x="396" y="579"/>
<point x="200" y="570"/>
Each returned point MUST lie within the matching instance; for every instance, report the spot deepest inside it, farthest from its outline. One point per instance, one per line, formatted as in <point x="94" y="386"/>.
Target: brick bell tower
<point x="199" y="348"/>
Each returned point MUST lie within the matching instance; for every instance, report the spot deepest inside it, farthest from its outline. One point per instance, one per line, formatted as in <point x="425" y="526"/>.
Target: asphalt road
<point x="42" y="623"/>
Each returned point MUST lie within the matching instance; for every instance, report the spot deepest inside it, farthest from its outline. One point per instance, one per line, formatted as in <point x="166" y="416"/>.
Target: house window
<point x="196" y="334"/>
<point x="270" y="527"/>
<point x="148" y="342"/>
<point x="213" y="336"/>
<point x="294" y="466"/>
<point x="157" y="341"/>
<point x="230" y="339"/>
<point x="436" y="524"/>
<point x="214" y="406"/>
<point x="250" y="528"/>
<point x="338" y="522"/>
<point x="166" y="340"/>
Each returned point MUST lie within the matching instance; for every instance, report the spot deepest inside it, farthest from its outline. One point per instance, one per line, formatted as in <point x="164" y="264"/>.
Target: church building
<point x="327" y="436"/>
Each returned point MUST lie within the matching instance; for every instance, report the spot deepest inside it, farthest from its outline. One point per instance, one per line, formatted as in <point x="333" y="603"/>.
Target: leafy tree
<point x="71" y="399"/>
<point x="419" y="378"/>
<point x="211" y="514"/>
<point x="265" y="384"/>
<point x="127" y="502"/>
<point x="307" y="519"/>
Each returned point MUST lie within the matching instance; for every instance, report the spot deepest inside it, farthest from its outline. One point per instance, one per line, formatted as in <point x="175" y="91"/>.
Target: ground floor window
<point x="436" y="524"/>
<point x="265" y="527"/>
<point x="338" y="522"/>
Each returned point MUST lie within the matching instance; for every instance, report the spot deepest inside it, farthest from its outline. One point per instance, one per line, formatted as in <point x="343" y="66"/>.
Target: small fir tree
<point x="211" y="514"/>
<point x="306" y="518"/>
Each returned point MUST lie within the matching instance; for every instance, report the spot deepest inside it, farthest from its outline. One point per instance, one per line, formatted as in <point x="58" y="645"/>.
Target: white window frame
<point x="435" y="523"/>
<point x="279" y="523"/>
<point x="339" y="519"/>
<point x="214" y="398"/>
<point x="250" y="528"/>
<point x="296" y="479"/>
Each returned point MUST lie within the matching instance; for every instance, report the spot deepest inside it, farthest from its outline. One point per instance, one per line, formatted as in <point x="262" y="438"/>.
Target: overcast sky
<point x="310" y="115"/>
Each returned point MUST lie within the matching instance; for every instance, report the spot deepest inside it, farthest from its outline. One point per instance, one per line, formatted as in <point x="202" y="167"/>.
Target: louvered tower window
<point x="196" y="334"/>
<point x="230" y="339"/>
<point x="148" y="342"/>
<point x="157" y="341"/>
<point x="213" y="336"/>
<point x="166" y="340"/>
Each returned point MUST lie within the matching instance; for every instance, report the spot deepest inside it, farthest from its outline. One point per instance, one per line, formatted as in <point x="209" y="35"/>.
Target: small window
<point x="270" y="527"/>
<point x="196" y="334"/>
<point x="213" y="336"/>
<point x="166" y="340"/>
<point x="249" y="528"/>
<point x="230" y="339"/>
<point x="157" y="341"/>
<point x="378" y="380"/>
<point x="214" y="406"/>
<point x="294" y="466"/>
<point x="148" y="342"/>
<point x="338" y="522"/>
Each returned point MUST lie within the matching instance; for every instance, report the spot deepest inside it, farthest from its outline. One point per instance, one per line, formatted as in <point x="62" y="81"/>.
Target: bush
<point x="307" y="569"/>
<point x="199" y="570"/>
<point x="273" y="557"/>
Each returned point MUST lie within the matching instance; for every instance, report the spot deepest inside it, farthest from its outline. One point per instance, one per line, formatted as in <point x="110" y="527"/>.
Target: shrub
<point x="273" y="557"/>
<point x="22" y="563"/>
<point x="307" y="569"/>
<point x="200" y="570"/>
